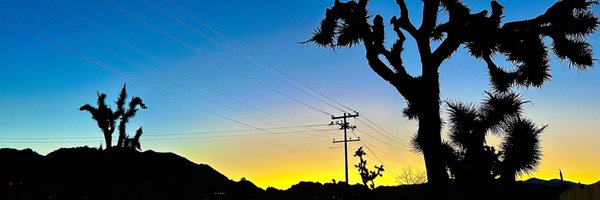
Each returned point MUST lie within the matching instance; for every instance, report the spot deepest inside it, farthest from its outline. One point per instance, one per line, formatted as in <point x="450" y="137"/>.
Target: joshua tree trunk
<point x="508" y="177"/>
<point x="108" y="140"/>
<point x="429" y="135"/>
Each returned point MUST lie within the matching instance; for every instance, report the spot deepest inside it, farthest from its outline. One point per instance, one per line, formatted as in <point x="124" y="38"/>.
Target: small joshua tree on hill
<point x="107" y="119"/>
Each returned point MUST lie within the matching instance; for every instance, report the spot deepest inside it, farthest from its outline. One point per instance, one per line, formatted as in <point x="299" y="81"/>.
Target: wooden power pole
<point x="345" y="126"/>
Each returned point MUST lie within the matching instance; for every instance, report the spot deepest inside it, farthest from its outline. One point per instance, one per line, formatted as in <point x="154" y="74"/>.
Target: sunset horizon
<point x="233" y="85"/>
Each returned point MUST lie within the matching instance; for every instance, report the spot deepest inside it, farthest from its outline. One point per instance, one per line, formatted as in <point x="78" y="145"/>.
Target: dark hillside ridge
<point x="88" y="173"/>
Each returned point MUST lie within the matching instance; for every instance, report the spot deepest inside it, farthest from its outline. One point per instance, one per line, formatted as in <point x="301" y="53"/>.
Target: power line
<point x="393" y="137"/>
<point x="391" y="157"/>
<point x="191" y="47"/>
<point x="376" y="157"/>
<point x="172" y="68"/>
<point x="169" y="134"/>
<point x="114" y="70"/>
<point x="78" y="139"/>
<point x="382" y="141"/>
<point x="383" y="153"/>
<point x="218" y="44"/>
<point x="194" y="18"/>
<point x="133" y="63"/>
<point x="386" y="135"/>
<point x="255" y="55"/>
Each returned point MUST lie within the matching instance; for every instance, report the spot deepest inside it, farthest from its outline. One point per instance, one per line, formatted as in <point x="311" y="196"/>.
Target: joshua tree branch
<point x="430" y="13"/>
<point x="404" y="21"/>
<point x="398" y="79"/>
<point x="445" y="50"/>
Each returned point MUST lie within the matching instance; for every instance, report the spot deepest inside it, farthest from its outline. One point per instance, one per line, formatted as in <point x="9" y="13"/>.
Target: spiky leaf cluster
<point x="344" y="25"/>
<point x="521" y="150"/>
<point x="567" y="23"/>
<point x="500" y="113"/>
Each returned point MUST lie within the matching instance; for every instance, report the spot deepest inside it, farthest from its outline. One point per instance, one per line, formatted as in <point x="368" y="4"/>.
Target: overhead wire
<point x="168" y="133"/>
<point x="382" y="141"/>
<point x="173" y="68"/>
<point x="394" y="137"/>
<point x="114" y="53"/>
<point x="384" y="153"/>
<point x="202" y="23"/>
<point x="401" y="142"/>
<point x="88" y="139"/>
<point x="114" y="70"/>
<point x="249" y="52"/>
<point x="254" y="55"/>
<point x="197" y="50"/>
<point x="218" y="44"/>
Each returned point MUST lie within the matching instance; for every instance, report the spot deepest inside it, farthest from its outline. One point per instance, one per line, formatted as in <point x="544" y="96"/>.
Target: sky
<point x="228" y="83"/>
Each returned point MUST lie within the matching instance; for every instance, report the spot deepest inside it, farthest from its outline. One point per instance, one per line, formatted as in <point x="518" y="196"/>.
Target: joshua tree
<point x="567" y="23"/>
<point x="471" y="161"/>
<point x="126" y="114"/>
<point x="366" y="175"/>
<point x="106" y="118"/>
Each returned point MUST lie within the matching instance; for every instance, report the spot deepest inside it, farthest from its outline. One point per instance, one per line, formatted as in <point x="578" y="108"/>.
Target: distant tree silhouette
<point x="106" y="118"/>
<point x="411" y="175"/>
<point x="473" y="163"/>
<point x="567" y="23"/>
<point x="366" y="175"/>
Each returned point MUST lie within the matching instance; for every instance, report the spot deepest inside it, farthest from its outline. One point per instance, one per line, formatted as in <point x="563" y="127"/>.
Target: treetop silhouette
<point x="106" y="118"/>
<point x="567" y="23"/>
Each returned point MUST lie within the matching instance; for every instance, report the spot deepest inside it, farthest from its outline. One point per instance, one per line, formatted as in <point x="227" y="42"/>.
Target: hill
<point x="88" y="173"/>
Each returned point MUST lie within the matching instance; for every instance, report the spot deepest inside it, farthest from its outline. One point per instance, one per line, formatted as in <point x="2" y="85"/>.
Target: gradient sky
<point x="53" y="53"/>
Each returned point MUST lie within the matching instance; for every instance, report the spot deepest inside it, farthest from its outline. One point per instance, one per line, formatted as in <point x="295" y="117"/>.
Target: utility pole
<point x="345" y="126"/>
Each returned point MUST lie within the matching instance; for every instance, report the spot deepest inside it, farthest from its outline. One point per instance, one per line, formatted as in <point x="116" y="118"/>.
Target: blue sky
<point x="42" y="85"/>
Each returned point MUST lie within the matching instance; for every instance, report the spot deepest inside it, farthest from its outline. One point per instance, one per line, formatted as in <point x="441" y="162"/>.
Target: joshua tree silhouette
<point x="567" y="23"/>
<point x="471" y="161"/>
<point x="106" y="118"/>
<point x="366" y="175"/>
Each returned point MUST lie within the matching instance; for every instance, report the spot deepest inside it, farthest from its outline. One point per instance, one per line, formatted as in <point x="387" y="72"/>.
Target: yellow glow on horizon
<point x="280" y="162"/>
